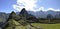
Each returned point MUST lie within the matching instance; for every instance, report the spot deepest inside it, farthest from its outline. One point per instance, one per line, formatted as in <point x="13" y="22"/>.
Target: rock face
<point x="23" y="13"/>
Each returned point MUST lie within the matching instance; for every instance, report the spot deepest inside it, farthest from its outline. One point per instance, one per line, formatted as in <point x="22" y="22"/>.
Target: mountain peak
<point x="23" y="11"/>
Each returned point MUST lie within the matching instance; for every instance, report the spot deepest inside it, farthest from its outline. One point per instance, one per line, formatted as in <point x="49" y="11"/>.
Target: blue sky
<point x="6" y="5"/>
<point x="50" y="3"/>
<point x="30" y="5"/>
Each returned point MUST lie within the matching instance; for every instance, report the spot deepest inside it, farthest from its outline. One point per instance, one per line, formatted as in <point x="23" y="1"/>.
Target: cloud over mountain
<point x="30" y="5"/>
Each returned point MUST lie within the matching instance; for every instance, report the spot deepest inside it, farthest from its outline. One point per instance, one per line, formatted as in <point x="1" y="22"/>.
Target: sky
<point x="30" y="5"/>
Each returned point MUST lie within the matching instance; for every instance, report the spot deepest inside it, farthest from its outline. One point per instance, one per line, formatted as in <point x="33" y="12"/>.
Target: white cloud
<point x="57" y="10"/>
<point x="53" y="9"/>
<point x="50" y="9"/>
<point x="30" y="5"/>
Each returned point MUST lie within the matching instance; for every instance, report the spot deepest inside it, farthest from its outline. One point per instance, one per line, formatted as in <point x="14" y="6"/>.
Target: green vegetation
<point x="43" y="26"/>
<point x="25" y="20"/>
<point x="47" y="26"/>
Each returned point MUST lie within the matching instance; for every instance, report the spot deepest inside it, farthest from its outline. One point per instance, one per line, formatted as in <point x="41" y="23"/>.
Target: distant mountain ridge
<point x="43" y="14"/>
<point x="3" y="16"/>
<point x="38" y="14"/>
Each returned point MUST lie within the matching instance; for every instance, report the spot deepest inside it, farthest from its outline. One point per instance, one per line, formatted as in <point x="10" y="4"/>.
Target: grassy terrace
<point x="47" y="26"/>
<point x="43" y="26"/>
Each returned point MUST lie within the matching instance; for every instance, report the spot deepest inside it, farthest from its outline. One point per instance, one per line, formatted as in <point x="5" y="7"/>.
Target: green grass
<point x="47" y="26"/>
<point x="43" y="26"/>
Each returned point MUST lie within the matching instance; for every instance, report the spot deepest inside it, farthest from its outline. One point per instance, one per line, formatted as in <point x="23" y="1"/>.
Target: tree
<point x="49" y="16"/>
